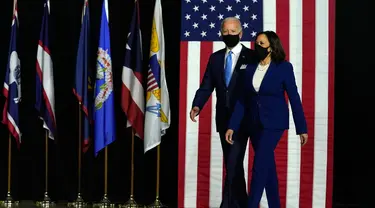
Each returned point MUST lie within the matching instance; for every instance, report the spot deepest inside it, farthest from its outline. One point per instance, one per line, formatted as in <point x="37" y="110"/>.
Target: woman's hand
<point x="303" y="138"/>
<point x="229" y="136"/>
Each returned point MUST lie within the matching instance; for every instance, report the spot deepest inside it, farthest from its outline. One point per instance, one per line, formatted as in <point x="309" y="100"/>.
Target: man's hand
<point x="229" y="136"/>
<point x="193" y="113"/>
<point x="303" y="138"/>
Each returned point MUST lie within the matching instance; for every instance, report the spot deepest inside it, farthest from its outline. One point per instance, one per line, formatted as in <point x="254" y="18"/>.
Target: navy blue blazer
<point x="214" y="79"/>
<point x="269" y="105"/>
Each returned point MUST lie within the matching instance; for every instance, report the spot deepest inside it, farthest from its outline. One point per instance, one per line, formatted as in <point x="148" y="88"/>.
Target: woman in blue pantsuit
<point x="263" y="108"/>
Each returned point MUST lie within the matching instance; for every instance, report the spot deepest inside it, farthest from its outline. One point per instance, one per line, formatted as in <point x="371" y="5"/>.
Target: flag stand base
<point x="78" y="203"/>
<point x="130" y="204"/>
<point x="46" y="203"/>
<point x="157" y="204"/>
<point x="9" y="202"/>
<point x="104" y="203"/>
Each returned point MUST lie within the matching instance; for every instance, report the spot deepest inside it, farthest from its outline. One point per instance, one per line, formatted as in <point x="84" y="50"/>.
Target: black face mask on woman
<point x="231" y="40"/>
<point x="261" y="52"/>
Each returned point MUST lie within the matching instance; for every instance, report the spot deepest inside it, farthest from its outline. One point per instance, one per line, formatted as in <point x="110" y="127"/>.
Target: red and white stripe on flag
<point x="306" y="29"/>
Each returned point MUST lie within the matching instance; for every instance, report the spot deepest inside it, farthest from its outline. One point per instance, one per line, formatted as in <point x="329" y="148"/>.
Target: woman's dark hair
<point x="277" y="51"/>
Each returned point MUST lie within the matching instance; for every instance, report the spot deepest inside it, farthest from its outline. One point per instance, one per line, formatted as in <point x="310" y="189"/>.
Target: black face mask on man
<point x="231" y="40"/>
<point x="261" y="52"/>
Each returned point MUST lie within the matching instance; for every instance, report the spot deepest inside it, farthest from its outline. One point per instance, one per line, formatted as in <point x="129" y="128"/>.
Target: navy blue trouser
<point x="264" y="174"/>
<point x="234" y="193"/>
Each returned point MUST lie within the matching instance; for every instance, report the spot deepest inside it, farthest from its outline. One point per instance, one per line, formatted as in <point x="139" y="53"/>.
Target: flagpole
<point x="46" y="165"/>
<point x="9" y="164"/>
<point x="46" y="203"/>
<point x="131" y="202"/>
<point x="9" y="202"/>
<point x="105" y="172"/>
<point x="105" y="203"/>
<point x="79" y="202"/>
<point x="157" y="203"/>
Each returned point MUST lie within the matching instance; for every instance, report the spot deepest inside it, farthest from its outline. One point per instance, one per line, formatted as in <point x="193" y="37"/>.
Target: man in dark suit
<point x="222" y="72"/>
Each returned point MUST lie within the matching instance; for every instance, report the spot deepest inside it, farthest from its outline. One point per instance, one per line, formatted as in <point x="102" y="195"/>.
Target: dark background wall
<point x="353" y="110"/>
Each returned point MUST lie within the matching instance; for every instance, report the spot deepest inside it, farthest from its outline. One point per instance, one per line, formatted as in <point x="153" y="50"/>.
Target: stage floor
<point x="32" y="204"/>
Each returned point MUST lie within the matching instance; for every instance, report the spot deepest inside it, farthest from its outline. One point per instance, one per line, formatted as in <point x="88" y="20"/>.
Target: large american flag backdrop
<point x="306" y="29"/>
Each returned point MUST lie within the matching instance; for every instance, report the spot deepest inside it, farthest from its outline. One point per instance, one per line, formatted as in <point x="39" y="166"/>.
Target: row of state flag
<point x="147" y="110"/>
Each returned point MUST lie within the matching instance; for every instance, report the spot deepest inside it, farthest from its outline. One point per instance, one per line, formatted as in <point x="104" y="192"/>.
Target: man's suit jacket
<point x="269" y="105"/>
<point x="214" y="79"/>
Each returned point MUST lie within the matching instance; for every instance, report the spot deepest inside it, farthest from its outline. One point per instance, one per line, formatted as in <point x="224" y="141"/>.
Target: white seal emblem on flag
<point x="15" y="74"/>
<point x="103" y="72"/>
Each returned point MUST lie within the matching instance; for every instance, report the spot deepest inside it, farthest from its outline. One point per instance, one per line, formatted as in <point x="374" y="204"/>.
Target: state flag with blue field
<point x="83" y="86"/>
<point x="44" y="85"/>
<point x="12" y="83"/>
<point x="104" y="116"/>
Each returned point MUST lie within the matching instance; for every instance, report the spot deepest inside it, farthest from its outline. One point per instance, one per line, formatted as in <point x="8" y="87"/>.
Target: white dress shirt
<point x="259" y="75"/>
<point x="236" y="51"/>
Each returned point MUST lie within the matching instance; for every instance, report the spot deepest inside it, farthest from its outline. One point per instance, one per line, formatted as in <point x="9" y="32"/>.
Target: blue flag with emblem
<point x="104" y="116"/>
<point x="12" y="83"/>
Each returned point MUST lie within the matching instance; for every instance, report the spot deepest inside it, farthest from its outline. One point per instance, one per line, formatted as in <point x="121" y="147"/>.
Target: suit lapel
<point x="240" y="61"/>
<point x="220" y="62"/>
<point x="265" y="78"/>
<point x="251" y="72"/>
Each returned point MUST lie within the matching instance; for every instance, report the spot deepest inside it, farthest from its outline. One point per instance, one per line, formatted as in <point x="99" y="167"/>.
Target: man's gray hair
<point x="234" y="19"/>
